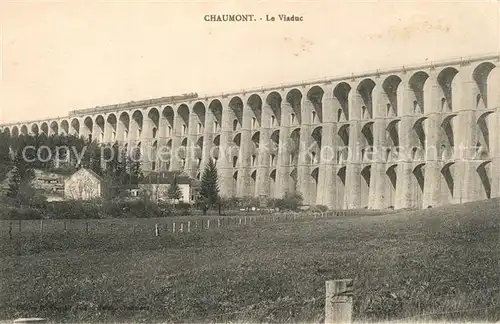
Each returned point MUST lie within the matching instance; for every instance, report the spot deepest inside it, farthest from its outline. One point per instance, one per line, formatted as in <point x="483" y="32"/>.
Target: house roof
<point x="166" y="177"/>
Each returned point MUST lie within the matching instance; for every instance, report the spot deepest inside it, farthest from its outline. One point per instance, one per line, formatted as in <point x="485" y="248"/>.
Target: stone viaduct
<point x="410" y="137"/>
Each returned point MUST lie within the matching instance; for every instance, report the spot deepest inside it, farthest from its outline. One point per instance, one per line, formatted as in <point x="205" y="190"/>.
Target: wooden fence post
<point x="87" y="228"/>
<point x="218" y="222"/>
<point x="338" y="301"/>
<point x="173" y="227"/>
<point x="41" y="225"/>
<point x="10" y="231"/>
<point x="157" y="230"/>
<point x="208" y="223"/>
<point x="65" y="226"/>
<point x="189" y="226"/>
<point x="182" y="227"/>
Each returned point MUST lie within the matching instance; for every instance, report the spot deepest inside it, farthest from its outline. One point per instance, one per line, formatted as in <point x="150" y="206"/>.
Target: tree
<point x="174" y="193"/>
<point x="209" y="188"/>
<point x="20" y="188"/>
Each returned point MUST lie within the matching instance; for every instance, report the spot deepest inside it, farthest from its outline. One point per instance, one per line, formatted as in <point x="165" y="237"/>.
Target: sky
<point x="58" y="56"/>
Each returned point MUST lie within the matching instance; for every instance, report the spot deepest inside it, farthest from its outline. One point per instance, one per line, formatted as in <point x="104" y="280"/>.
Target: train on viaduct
<point x="410" y="137"/>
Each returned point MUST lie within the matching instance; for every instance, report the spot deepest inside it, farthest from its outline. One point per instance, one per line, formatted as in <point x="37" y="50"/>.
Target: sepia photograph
<point x="300" y="161"/>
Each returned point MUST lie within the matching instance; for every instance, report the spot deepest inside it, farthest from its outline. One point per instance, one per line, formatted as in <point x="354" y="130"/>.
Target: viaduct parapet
<point x="410" y="137"/>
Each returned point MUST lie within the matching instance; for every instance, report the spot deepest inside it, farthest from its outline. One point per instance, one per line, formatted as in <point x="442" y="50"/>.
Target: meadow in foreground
<point x="404" y="265"/>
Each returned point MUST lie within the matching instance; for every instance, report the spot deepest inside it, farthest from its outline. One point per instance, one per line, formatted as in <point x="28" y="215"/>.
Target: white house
<point x="157" y="184"/>
<point x="84" y="184"/>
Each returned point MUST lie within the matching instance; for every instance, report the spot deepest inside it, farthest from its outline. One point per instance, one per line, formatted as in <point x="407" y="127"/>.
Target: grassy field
<point x="441" y="260"/>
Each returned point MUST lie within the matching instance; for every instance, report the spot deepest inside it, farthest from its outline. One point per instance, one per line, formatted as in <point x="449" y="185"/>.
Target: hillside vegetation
<point x="404" y="265"/>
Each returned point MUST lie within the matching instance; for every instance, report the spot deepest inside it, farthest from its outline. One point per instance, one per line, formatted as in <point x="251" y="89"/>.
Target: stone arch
<point x="340" y="187"/>
<point x="391" y="177"/>
<point x="480" y="76"/>
<point x="34" y="129"/>
<point x="253" y="182"/>
<point x="484" y="174"/>
<point x="447" y="183"/>
<point x="417" y="139"/>
<point x="254" y="102"/>
<point x="446" y="80"/>
<point x="365" y="186"/>
<point x="292" y="180"/>
<point x="6" y="130"/>
<point x="111" y="128"/>
<point x="99" y="121"/>
<point x="24" y="130"/>
<point x="493" y="89"/>
<point x="366" y="142"/>
<point x="293" y="146"/>
<point x="88" y="126"/>
<point x="235" y="151"/>
<point x="256" y="141"/>
<point x="183" y="119"/>
<point x="75" y="127"/>
<point x="274" y="100"/>
<point x="199" y="117"/>
<point x="215" y="108"/>
<point x="275" y="141"/>
<point x="314" y="185"/>
<point x="294" y="99"/>
<point x="343" y="148"/>
<point x="236" y="112"/>
<point x="417" y="84"/>
<point x="168" y="116"/>
<point x="365" y="98"/>
<point x="315" y="97"/>
<point x="484" y="123"/>
<point x="44" y="127"/>
<point x="447" y="138"/>
<point x="54" y="128"/>
<point x="123" y="127"/>
<point x="198" y="152"/>
<point x="64" y="127"/>
<point x="316" y="137"/>
<point x="390" y="95"/>
<point x="417" y="185"/>
<point x="235" y="182"/>
<point x="272" y="183"/>
<point x="341" y="99"/>
<point x="136" y="124"/>
<point x="154" y="119"/>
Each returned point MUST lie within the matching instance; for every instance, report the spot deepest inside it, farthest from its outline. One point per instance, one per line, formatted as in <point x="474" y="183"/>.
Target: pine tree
<point x="209" y="188"/>
<point x="174" y="193"/>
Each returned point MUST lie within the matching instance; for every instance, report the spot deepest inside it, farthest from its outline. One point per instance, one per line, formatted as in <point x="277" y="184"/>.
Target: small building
<point x="156" y="184"/>
<point x="84" y="184"/>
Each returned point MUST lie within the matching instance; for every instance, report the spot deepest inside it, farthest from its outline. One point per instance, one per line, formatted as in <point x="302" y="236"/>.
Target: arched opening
<point x="136" y="126"/>
<point x="445" y="80"/>
<point x="54" y="128"/>
<point x="316" y="137"/>
<point x="168" y="117"/>
<point x="236" y="107"/>
<point x="294" y="99"/>
<point x="293" y="146"/>
<point x="417" y="83"/>
<point x="235" y="182"/>
<point x="480" y="76"/>
<point x="340" y="187"/>
<point x="253" y="181"/>
<point x="274" y="102"/>
<point x="417" y="185"/>
<point x="367" y="142"/>
<point x="111" y="124"/>
<point x="154" y="119"/>
<point x="272" y="183"/>
<point x="365" y="186"/>
<point x="315" y="97"/>
<point x="64" y="128"/>
<point x="482" y="149"/>
<point x="198" y="152"/>
<point x="392" y="176"/>
<point x="254" y="102"/>
<point x="390" y="86"/>
<point x="365" y="98"/>
<point x="314" y="185"/>
<point x="183" y="118"/>
<point x="99" y="121"/>
<point x="216" y="108"/>
<point x="447" y="183"/>
<point x="199" y="112"/>
<point x="35" y="130"/>
<point x="75" y="127"/>
<point x="236" y="149"/>
<point x="484" y="174"/>
<point x="341" y="96"/>
<point x="88" y="124"/>
<point x="447" y="138"/>
<point x="24" y="130"/>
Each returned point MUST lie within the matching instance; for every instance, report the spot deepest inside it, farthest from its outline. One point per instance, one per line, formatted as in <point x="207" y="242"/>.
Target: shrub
<point x="22" y="213"/>
<point x="318" y="209"/>
<point x="287" y="202"/>
<point x="74" y="209"/>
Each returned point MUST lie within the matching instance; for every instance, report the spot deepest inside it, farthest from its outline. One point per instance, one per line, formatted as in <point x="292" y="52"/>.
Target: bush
<point x="74" y="209"/>
<point x="132" y="209"/>
<point x="318" y="209"/>
<point x="288" y="202"/>
<point x="21" y="213"/>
